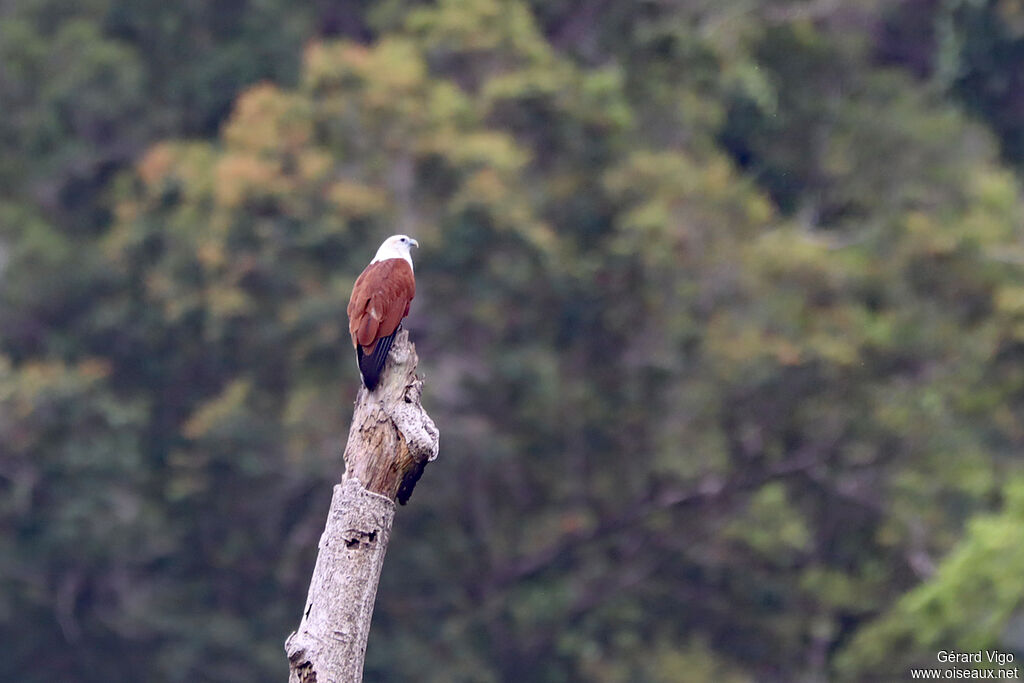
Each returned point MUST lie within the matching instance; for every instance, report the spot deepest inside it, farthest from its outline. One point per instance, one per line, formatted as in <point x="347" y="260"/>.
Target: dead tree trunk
<point x="390" y="442"/>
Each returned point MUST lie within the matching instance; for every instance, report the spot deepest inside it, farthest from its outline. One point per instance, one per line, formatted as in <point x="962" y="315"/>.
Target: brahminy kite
<point x="380" y="299"/>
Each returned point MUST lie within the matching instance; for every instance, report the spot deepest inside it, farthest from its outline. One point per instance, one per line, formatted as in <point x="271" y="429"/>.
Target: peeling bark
<point x="389" y="443"/>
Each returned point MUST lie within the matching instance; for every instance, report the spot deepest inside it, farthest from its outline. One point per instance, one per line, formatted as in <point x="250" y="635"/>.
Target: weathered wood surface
<point x="389" y="443"/>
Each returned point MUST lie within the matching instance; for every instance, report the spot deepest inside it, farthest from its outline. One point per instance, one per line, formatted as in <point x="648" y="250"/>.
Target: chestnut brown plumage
<point x="380" y="300"/>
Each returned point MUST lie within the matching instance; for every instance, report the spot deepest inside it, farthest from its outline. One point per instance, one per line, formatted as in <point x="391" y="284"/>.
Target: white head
<point x="396" y="246"/>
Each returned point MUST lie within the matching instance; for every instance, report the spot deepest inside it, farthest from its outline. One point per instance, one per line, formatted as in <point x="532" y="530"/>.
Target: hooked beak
<point x="414" y="243"/>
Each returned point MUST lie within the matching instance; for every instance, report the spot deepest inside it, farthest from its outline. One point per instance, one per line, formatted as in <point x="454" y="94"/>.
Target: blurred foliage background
<point x="720" y="309"/>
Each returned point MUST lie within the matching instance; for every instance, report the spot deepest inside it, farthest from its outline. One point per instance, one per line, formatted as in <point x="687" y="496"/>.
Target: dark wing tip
<point x="371" y="366"/>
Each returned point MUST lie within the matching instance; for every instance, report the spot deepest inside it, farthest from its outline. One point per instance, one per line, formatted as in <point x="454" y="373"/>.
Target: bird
<point x="380" y="300"/>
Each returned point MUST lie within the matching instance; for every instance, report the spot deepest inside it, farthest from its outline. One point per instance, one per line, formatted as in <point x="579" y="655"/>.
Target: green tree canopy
<point x="719" y="307"/>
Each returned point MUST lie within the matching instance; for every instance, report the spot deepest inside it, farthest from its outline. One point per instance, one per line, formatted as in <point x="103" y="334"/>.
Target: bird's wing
<point x="394" y="296"/>
<point x="380" y="299"/>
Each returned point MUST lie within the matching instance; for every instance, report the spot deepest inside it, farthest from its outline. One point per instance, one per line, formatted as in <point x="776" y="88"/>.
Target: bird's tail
<point x="371" y="365"/>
